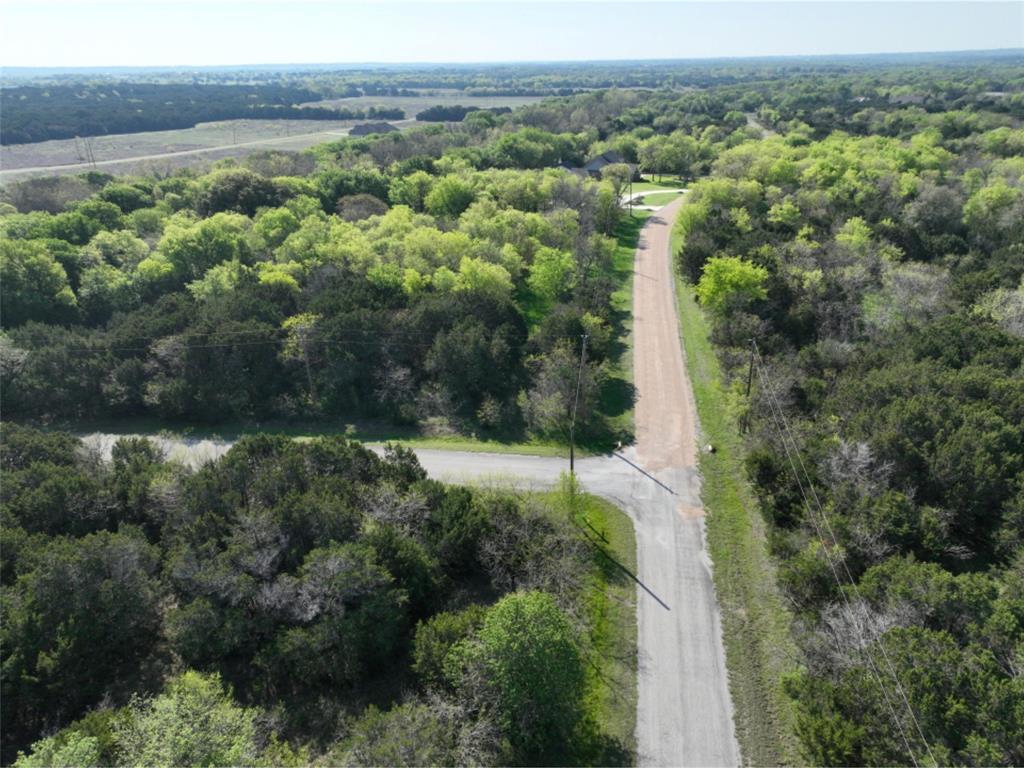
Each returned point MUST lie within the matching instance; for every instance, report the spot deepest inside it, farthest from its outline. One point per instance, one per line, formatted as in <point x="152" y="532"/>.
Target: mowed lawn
<point x="657" y="198"/>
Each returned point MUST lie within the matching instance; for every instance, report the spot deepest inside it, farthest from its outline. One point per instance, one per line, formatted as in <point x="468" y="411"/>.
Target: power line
<point x="382" y="339"/>
<point x="816" y="511"/>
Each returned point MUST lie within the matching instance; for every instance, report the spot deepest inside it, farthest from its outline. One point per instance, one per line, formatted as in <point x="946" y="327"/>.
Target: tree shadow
<point x="617" y="396"/>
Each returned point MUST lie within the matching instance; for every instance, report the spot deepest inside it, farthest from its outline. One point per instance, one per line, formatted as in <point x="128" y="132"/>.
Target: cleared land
<point x="161" y="151"/>
<point x="444" y="97"/>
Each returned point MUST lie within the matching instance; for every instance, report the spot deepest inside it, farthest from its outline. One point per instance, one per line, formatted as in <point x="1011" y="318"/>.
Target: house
<point x="594" y="167"/>
<point x="599" y="163"/>
<point x="563" y="166"/>
<point x="365" y="129"/>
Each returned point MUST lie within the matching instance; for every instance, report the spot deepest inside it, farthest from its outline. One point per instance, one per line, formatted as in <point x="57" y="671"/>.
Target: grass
<point x="656" y="186"/>
<point x="617" y="396"/>
<point x="758" y="645"/>
<point x="610" y="604"/>
<point x="657" y="198"/>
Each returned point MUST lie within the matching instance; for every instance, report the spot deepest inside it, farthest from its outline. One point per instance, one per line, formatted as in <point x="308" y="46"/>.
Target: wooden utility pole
<point x="305" y="357"/>
<point x="575" y="406"/>
<point x="750" y="370"/>
<point x="750" y="380"/>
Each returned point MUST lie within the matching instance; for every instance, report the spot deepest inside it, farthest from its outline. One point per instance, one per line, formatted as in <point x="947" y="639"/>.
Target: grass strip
<point x="617" y="397"/>
<point x="610" y="605"/>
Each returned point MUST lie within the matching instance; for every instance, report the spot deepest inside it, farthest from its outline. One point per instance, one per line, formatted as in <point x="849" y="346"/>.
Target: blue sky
<point x="190" y="32"/>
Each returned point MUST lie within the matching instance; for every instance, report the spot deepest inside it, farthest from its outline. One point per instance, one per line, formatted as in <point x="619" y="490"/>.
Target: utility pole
<point x="750" y="380"/>
<point x="305" y="356"/>
<point x="750" y="370"/>
<point x="575" y="406"/>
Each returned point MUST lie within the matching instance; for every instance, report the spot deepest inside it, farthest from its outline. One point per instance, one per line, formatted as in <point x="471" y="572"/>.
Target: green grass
<point x="617" y="396"/>
<point x="758" y="644"/>
<point x="610" y="603"/>
<point x="657" y="198"/>
<point x="656" y="186"/>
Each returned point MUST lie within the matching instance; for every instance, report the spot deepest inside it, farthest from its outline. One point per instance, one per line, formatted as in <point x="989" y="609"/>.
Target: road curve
<point x="684" y="713"/>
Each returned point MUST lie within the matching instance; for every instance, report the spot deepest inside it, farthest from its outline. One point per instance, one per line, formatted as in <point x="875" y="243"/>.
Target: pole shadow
<point x="622" y="568"/>
<point x="643" y="471"/>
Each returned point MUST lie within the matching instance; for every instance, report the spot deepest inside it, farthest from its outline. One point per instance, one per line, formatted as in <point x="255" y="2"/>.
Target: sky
<point x="233" y="32"/>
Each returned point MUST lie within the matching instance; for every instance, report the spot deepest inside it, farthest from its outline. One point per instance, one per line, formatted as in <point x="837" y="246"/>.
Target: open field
<point x="444" y="97"/>
<point x="758" y="645"/>
<point x="164" y="151"/>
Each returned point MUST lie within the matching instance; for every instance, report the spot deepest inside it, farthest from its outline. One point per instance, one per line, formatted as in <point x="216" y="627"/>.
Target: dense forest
<point x="872" y="284"/>
<point x="854" y="235"/>
<point x="432" y="293"/>
<point x="41" y="113"/>
<point x="259" y="610"/>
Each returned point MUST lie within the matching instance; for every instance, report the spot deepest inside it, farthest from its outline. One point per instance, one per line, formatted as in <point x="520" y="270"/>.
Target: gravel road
<point x="684" y="715"/>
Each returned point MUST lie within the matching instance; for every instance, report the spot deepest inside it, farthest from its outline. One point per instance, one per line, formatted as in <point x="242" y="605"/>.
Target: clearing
<point x="443" y="97"/>
<point x="164" y="151"/>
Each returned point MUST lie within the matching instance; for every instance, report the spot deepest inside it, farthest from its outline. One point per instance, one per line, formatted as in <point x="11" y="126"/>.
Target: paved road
<point x="684" y="715"/>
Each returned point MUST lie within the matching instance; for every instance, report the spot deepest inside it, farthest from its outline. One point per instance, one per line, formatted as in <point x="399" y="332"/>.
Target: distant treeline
<point x="35" y="113"/>
<point x="455" y="113"/>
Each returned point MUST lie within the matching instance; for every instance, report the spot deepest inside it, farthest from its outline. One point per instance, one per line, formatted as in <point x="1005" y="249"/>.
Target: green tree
<point x="527" y="654"/>
<point x="551" y="274"/>
<point x="449" y="197"/>
<point x="412" y="190"/>
<point x="478" y="276"/>
<point x="192" y="248"/>
<point x="62" y="648"/>
<point x="729" y="283"/>
<point x="194" y="722"/>
<point x="435" y="639"/>
<point x="618" y="175"/>
<point x="238" y="190"/>
<point x="33" y="286"/>
<point x="73" y="750"/>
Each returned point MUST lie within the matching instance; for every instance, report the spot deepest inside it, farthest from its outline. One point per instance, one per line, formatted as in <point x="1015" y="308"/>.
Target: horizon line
<point x="470" y="63"/>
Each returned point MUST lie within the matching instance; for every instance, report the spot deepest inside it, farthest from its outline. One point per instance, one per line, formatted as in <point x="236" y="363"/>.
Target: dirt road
<point x="665" y="424"/>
